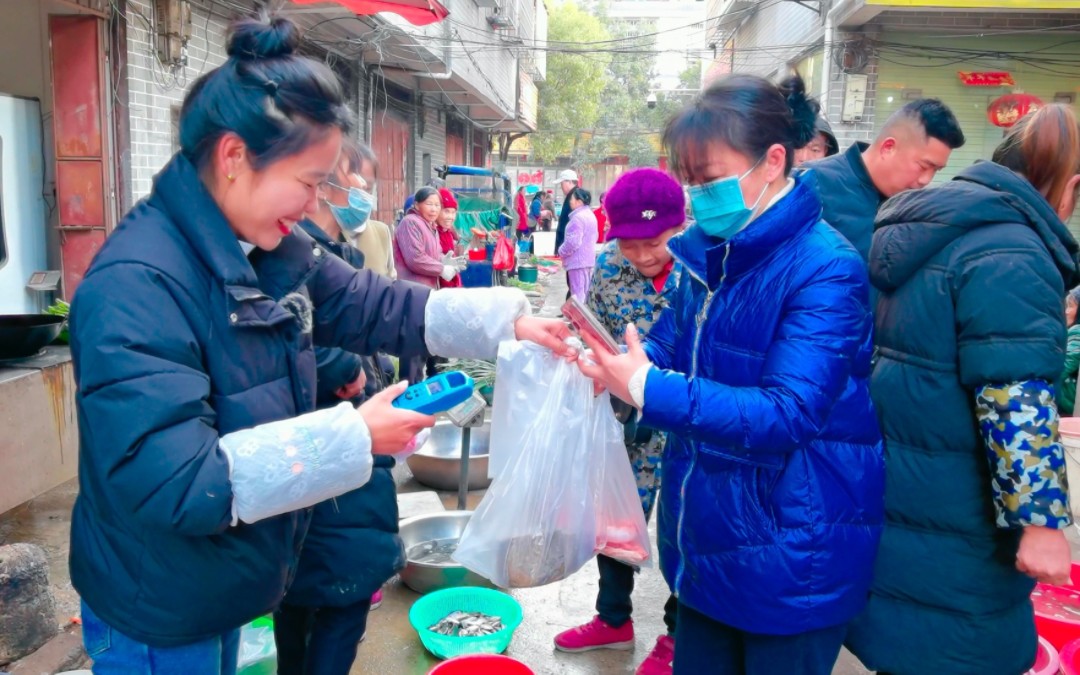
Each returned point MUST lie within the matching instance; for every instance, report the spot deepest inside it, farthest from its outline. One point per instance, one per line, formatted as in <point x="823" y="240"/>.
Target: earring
<point x="231" y="177"/>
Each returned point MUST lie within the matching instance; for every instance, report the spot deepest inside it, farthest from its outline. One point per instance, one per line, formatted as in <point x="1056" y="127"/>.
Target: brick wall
<point x="155" y="95"/>
<point x="154" y="92"/>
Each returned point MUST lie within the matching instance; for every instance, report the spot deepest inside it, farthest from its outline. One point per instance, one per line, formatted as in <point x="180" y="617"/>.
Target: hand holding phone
<point x="583" y="321"/>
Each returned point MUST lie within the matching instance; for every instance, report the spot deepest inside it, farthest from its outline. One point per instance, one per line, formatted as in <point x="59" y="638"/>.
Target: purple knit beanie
<point x="644" y="203"/>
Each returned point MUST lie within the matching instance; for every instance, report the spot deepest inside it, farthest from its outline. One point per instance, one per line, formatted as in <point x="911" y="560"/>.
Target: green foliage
<point x="570" y="98"/>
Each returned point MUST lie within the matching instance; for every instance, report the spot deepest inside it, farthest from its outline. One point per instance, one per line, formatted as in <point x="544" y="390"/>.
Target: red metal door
<point x="455" y="149"/>
<point x="390" y="142"/>
<point x="77" y="67"/>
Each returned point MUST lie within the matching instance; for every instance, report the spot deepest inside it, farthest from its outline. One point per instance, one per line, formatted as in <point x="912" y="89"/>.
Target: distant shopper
<point x="521" y="212"/>
<point x="970" y="338"/>
<point x="822" y="145"/>
<point x="601" y="220"/>
<point x="448" y="236"/>
<point x="1066" y="391"/>
<point x="578" y="250"/>
<point x="547" y="211"/>
<point x="536" y="206"/>
<point x="374" y="239"/>
<point x="417" y="254"/>
<point x="634" y="281"/>
<point x="906" y="155"/>
<point x="567" y="181"/>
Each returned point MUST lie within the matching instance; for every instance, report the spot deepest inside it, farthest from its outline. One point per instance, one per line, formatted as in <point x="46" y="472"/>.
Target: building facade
<point x="865" y="58"/>
<point x="679" y="27"/>
<point x="103" y="81"/>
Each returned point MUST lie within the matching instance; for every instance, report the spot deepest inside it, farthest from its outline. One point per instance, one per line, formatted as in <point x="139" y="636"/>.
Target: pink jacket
<point x="579" y="248"/>
<point x="417" y="253"/>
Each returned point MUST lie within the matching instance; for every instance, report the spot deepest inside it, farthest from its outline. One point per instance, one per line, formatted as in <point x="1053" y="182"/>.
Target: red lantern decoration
<point x="1008" y="109"/>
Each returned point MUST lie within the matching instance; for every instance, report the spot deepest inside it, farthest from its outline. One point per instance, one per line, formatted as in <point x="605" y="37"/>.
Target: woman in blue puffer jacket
<point x="772" y="500"/>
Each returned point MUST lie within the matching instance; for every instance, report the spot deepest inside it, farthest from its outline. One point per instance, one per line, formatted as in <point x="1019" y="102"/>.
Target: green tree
<point x="626" y="117"/>
<point x="570" y="97"/>
<point x="691" y="77"/>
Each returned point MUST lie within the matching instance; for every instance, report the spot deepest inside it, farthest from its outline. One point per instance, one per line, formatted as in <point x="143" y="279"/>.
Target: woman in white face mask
<point x="772" y="496"/>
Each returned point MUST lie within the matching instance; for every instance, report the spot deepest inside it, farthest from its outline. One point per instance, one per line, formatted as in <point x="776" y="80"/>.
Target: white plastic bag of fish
<point x="564" y="495"/>
<point x="523" y="374"/>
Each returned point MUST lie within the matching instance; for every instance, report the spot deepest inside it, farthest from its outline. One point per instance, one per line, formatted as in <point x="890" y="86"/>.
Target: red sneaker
<point x="658" y="662"/>
<point x="376" y="599"/>
<point x="596" y="635"/>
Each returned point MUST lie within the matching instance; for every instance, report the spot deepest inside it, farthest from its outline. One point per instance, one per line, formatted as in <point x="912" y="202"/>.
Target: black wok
<point x="23" y="335"/>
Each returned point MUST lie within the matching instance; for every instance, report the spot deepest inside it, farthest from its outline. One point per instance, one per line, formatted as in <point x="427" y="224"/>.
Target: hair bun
<point x="264" y="38"/>
<point x="804" y="110"/>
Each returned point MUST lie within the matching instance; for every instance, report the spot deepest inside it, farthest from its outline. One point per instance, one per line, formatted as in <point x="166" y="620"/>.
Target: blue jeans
<point x="703" y="645"/>
<point x="116" y="654"/>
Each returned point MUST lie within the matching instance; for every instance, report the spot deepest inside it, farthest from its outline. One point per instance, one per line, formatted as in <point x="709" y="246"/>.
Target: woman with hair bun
<point x="200" y="449"/>
<point x="771" y="503"/>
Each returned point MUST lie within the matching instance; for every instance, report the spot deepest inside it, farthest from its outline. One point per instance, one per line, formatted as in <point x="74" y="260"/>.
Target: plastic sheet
<point x="258" y="652"/>
<point x="566" y="493"/>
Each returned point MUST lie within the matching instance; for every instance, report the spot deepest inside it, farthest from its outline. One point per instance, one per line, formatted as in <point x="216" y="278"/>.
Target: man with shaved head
<point x="912" y="147"/>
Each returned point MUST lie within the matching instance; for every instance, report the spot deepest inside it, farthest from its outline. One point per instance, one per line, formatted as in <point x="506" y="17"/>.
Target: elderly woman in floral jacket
<point x="632" y="283"/>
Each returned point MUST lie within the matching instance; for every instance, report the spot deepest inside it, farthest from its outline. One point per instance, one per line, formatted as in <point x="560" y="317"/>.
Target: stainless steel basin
<point x="447" y="526"/>
<point x="438" y="463"/>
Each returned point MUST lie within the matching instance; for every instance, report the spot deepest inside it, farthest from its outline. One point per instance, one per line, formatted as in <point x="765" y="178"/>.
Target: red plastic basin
<point x="1047" y="661"/>
<point x="482" y="664"/>
<point x="1070" y="658"/>
<point x="1057" y="611"/>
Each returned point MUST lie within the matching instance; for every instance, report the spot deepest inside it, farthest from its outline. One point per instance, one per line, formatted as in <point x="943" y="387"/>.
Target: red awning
<point x="416" y="12"/>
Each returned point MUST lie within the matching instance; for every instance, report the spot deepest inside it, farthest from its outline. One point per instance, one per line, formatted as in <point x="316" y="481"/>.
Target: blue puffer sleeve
<point x="138" y="352"/>
<point x="805" y="372"/>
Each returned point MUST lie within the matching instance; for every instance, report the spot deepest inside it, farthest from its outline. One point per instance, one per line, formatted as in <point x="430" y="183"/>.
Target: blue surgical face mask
<point x="719" y="207"/>
<point x="353" y="218"/>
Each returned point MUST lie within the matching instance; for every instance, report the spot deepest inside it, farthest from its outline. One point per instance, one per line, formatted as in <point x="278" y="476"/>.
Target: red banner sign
<point x="995" y="79"/>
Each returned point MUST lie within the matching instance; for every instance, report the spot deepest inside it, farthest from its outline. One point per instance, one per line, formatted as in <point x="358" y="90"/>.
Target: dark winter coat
<point x="564" y="220"/>
<point x="771" y="504"/>
<point x="849" y="199"/>
<point x="352" y="546"/>
<point x="971" y="278"/>
<point x="179" y="338"/>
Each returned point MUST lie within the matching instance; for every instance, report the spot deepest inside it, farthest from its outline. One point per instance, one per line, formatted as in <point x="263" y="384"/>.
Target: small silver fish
<point x="467" y="624"/>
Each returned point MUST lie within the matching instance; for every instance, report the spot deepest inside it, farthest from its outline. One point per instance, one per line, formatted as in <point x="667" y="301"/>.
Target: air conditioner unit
<point x="500" y="21"/>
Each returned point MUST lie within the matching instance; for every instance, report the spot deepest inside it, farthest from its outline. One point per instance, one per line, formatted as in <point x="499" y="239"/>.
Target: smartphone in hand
<point x="583" y="321"/>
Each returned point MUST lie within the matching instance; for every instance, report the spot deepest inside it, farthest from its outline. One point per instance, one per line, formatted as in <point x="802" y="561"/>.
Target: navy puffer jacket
<point x="178" y="338"/>
<point x="352" y="546"/>
<point x="772" y="500"/>
<point x="972" y="276"/>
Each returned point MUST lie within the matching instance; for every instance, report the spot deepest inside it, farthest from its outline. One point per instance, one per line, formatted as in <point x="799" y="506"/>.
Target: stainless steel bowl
<point x="438" y="463"/>
<point x="424" y="578"/>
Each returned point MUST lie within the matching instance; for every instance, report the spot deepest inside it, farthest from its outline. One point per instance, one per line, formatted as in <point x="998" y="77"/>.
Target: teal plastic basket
<point x="433" y="607"/>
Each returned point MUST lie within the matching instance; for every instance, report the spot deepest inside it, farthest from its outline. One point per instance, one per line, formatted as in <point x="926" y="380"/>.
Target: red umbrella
<point x="1007" y="110"/>
<point x="416" y="12"/>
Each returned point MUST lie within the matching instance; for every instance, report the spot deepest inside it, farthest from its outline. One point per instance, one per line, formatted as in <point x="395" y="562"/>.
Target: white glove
<point x="448" y="258"/>
<point x="448" y="272"/>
